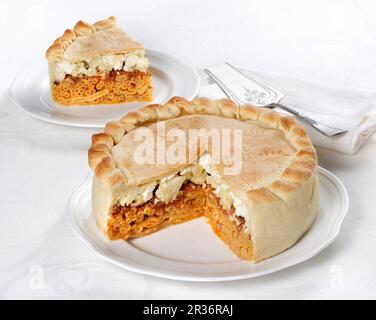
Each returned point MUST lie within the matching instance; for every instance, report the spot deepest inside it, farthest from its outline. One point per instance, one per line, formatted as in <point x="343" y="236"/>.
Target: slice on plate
<point x="259" y="193"/>
<point x="98" y="64"/>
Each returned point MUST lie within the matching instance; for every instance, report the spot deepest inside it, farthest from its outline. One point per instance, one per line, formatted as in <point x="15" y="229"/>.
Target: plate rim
<point x="145" y="270"/>
<point x="171" y="57"/>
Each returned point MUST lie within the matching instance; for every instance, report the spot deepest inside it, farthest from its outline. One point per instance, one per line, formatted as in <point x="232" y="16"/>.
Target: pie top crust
<point x="275" y="161"/>
<point x="88" y="40"/>
<point x="261" y="165"/>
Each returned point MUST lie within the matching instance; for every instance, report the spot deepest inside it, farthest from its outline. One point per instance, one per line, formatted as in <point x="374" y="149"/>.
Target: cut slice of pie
<point x="260" y="209"/>
<point x="98" y="64"/>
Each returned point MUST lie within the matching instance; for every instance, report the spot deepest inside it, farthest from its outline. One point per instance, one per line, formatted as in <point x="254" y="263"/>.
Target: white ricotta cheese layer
<point x="100" y="65"/>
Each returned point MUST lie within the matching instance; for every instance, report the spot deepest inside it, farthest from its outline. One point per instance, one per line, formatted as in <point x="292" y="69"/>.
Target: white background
<point x="41" y="164"/>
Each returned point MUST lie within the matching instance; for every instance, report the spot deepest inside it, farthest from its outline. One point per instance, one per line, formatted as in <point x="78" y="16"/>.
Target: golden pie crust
<point x="278" y="183"/>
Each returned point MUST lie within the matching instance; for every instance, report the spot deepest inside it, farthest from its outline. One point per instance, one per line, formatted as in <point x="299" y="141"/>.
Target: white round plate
<point x="31" y="91"/>
<point x="192" y="252"/>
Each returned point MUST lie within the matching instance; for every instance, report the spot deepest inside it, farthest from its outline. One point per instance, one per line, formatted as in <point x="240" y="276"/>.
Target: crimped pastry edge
<point x="56" y="50"/>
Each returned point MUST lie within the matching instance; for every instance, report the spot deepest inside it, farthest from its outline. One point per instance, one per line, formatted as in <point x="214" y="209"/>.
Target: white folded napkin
<point x="348" y="108"/>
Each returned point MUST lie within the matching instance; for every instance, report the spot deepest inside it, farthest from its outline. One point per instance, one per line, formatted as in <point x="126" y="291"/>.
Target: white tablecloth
<point x="41" y="164"/>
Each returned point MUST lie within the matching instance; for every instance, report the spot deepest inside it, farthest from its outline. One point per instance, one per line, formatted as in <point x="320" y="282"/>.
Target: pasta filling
<point x="193" y="201"/>
<point x="115" y="87"/>
<point x="190" y="193"/>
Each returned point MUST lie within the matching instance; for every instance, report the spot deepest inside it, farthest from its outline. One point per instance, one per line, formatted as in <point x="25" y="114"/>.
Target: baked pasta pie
<point x="259" y="211"/>
<point x="98" y="64"/>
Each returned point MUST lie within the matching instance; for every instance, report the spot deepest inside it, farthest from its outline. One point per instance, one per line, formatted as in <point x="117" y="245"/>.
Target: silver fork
<point x="325" y="129"/>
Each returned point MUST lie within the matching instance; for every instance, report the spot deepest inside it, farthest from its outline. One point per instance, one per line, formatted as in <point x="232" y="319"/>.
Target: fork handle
<point x="326" y="130"/>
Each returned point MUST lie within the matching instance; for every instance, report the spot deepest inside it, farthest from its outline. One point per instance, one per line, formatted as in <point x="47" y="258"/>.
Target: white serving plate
<point x="192" y="252"/>
<point x="31" y="91"/>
